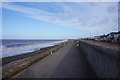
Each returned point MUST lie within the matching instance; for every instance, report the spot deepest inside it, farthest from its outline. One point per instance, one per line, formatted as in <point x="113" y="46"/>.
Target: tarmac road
<point x="67" y="62"/>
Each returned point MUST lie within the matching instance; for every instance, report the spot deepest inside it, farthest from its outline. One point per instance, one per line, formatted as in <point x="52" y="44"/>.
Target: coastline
<point x="95" y="52"/>
<point x="9" y="59"/>
<point x="13" y="66"/>
<point x="32" y="46"/>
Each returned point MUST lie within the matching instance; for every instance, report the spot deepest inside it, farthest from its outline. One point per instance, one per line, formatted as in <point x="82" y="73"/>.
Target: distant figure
<point x="78" y="44"/>
<point x="51" y="53"/>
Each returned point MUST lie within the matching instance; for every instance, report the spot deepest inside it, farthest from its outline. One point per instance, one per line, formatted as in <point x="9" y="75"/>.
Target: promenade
<point x="68" y="62"/>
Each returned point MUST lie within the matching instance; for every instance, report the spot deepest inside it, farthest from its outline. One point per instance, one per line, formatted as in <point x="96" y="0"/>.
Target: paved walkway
<point x="67" y="62"/>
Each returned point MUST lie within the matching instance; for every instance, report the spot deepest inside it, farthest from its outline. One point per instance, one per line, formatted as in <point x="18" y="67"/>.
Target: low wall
<point x="105" y="62"/>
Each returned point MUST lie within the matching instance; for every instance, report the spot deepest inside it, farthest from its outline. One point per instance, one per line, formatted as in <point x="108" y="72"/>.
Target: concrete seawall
<point x="104" y="61"/>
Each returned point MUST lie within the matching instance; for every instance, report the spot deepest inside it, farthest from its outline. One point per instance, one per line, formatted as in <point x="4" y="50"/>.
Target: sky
<point x="58" y="20"/>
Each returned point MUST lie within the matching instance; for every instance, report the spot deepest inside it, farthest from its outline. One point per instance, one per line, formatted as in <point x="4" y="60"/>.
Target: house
<point x="100" y="38"/>
<point x="96" y="38"/>
<point x="113" y="37"/>
<point x="103" y="37"/>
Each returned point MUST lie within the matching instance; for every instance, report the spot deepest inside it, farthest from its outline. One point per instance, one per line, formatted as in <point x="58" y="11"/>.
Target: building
<point x="113" y="37"/>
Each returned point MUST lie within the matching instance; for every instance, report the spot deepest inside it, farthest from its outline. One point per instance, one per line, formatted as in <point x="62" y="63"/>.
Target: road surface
<point x="67" y="62"/>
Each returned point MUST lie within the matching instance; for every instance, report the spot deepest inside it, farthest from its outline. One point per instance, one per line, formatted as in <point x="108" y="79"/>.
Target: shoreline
<point x="9" y="59"/>
<point x="14" y="67"/>
<point x="33" y="46"/>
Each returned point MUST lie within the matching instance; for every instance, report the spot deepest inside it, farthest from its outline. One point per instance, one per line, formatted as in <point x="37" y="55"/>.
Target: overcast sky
<point x="58" y="20"/>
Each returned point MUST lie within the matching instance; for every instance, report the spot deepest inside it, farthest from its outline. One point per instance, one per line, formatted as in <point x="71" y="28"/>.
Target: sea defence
<point x="103" y="57"/>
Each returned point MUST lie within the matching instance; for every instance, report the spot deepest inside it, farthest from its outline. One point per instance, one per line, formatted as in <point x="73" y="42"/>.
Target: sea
<point x="12" y="47"/>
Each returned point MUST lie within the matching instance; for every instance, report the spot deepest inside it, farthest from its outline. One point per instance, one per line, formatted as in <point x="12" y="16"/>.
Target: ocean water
<point x="17" y="47"/>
